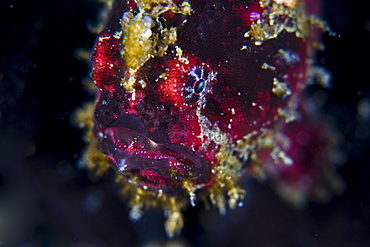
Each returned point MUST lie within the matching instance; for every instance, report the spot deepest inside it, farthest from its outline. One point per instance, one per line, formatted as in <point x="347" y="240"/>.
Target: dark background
<point x="46" y="200"/>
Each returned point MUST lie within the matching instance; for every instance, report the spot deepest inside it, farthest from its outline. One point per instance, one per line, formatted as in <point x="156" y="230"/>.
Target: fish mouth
<point x="152" y="164"/>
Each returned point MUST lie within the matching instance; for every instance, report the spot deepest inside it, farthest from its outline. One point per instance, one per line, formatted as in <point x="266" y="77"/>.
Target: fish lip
<point x="134" y="122"/>
<point x="134" y="152"/>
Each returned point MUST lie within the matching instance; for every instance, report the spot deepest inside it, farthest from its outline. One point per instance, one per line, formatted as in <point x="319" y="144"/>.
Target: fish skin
<point x="192" y="96"/>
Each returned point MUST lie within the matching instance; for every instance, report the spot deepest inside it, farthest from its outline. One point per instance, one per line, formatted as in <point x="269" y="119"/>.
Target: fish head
<point x="187" y="87"/>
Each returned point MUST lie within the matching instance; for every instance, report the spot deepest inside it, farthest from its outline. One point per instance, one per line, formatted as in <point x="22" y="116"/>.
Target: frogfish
<point x="193" y="96"/>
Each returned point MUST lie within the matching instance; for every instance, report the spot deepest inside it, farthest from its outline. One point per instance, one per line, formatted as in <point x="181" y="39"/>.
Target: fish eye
<point x="197" y="84"/>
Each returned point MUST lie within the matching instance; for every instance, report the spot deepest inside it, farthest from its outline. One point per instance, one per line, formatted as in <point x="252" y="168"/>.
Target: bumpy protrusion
<point x="195" y="95"/>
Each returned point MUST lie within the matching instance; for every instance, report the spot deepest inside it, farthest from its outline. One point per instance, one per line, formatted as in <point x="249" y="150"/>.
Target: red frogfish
<point x="194" y="95"/>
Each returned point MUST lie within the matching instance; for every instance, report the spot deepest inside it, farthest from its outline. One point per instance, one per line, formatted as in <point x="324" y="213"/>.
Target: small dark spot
<point x="199" y="86"/>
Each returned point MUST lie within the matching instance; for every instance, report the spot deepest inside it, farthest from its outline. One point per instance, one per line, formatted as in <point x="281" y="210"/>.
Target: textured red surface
<point x="165" y="115"/>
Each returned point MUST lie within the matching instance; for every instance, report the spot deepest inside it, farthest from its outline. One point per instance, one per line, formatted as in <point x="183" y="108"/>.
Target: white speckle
<point x="126" y="17"/>
<point x="117" y="34"/>
<point x="289" y="57"/>
<point x="103" y="102"/>
<point x="122" y="165"/>
<point x="229" y="126"/>
<point x="254" y="104"/>
<point x="142" y="83"/>
<point x="255" y="16"/>
<point x="257" y="43"/>
<point x="103" y="38"/>
<point x="244" y="47"/>
<point x="192" y="199"/>
<point x="135" y="214"/>
<point x="147" y="33"/>
<point x="100" y="134"/>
